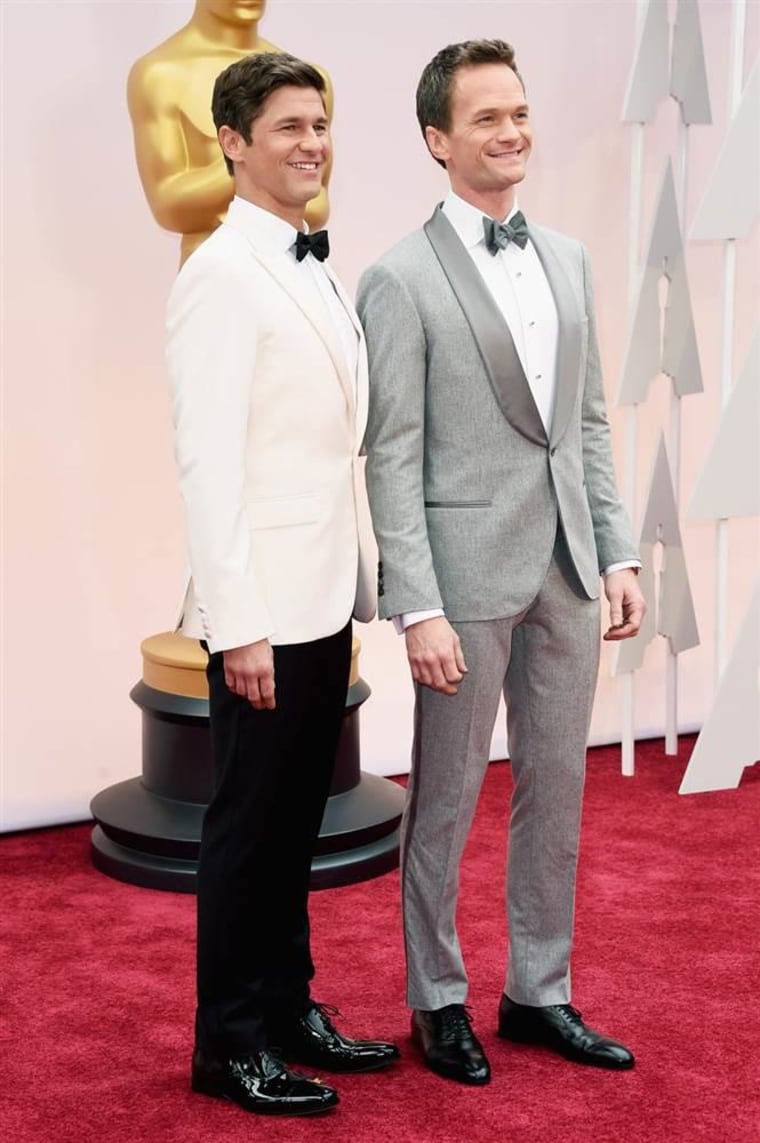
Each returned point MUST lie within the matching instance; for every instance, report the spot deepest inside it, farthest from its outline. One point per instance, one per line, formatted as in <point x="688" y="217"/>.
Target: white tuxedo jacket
<point x="268" y="426"/>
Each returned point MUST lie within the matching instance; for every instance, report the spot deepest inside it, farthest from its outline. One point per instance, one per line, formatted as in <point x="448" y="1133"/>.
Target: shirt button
<point x="539" y="376"/>
<point x="531" y="324"/>
<point x="518" y="274"/>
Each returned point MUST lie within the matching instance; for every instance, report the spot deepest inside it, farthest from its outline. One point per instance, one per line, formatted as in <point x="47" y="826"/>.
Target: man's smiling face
<point x="489" y="138"/>
<point x="281" y="168"/>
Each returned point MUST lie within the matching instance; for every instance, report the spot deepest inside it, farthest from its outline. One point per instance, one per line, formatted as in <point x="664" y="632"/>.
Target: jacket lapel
<point x="312" y="306"/>
<point x="569" y="347"/>
<point x="285" y="271"/>
<point x="490" y="331"/>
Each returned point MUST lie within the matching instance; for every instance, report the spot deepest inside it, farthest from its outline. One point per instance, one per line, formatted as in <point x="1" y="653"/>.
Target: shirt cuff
<point x="401" y="622"/>
<point x="619" y="567"/>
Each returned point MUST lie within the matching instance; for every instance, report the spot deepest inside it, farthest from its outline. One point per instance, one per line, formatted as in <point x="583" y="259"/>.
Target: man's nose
<point x="508" y="131"/>
<point x="312" y="142"/>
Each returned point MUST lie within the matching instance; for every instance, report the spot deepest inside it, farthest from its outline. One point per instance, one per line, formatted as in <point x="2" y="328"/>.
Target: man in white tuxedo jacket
<point x="268" y="375"/>
<point x="494" y="504"/>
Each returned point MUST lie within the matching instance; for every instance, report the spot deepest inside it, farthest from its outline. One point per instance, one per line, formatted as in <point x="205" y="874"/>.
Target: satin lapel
<point x="570" y="311"/>
<point x="491" y="332"/>
<point x="284" y="270"/>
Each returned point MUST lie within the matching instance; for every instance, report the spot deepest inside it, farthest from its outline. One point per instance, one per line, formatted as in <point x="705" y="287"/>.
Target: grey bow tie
<point x="500" y="234"/>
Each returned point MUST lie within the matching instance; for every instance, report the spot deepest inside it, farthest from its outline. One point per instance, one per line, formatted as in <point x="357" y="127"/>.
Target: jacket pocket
<point x="285" y="511"/>
<point x="458" y="503"/>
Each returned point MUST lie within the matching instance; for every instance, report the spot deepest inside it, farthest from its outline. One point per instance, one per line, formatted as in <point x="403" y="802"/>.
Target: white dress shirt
<point x="518" y="284"/>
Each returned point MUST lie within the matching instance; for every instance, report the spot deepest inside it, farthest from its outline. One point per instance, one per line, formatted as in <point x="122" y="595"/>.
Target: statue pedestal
<point x="148" y="829"/>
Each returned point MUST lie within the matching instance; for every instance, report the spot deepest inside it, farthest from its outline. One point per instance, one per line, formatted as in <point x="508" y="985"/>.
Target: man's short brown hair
<point x="242" y="89"/>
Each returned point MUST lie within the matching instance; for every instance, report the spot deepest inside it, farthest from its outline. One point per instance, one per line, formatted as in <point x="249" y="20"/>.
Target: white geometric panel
<point x="688" y="78"/>
<point x="730" y="737"/>
<point x="732" y="199"/>
<point x="641" y="363"/>
<point x="676" y="616"/>
<point x="680" y="355"/>
<point x="729" y="484"/>
<point x="665" y="242"/>
<point x="648" y="80"/>
<point x="629" y="654"/>
<point x="660" y="520"/>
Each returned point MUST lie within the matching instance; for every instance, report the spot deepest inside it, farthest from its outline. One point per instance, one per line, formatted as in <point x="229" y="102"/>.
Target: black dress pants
<point x="273" y="770"/>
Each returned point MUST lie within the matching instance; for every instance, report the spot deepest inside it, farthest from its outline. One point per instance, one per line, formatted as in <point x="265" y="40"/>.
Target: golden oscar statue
<point x="147" y="829"/>
<point x="169" y="96"/>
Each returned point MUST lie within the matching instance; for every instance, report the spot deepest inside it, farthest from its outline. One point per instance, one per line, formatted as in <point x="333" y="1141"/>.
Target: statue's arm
<point x="182" y="198"/>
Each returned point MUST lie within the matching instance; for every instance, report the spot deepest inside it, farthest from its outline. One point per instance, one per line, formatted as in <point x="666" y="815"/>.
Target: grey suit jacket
<point x="465" y="488"/>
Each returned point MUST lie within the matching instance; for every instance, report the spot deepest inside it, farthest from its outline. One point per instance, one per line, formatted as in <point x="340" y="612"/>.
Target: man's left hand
<point x="627" y="604"/>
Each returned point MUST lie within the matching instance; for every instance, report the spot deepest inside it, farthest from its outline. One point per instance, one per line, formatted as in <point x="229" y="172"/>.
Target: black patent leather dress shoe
<point x="314" y="1040"/>
<point x="260" y="1083"/>
<point x="559" y="1026"/>
<point x="449" y="1045"/>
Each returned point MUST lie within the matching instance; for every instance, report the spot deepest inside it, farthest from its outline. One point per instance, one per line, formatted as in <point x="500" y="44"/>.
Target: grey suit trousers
<point x="545" y="660"/>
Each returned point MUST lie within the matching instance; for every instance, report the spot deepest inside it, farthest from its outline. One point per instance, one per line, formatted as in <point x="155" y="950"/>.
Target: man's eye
<point x="485" y="119"/>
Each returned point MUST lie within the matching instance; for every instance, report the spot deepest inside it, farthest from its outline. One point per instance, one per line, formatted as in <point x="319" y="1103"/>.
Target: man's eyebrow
<point x="288" y="119"/>
<point x="495" y="110"/>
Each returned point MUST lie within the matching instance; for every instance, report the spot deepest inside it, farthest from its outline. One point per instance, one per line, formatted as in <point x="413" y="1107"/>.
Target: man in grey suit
<point x="493" y="497"/>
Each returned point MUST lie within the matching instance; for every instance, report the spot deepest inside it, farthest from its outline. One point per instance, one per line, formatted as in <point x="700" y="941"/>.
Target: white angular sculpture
<point x="648" y="82"/>
<point x="688" y="77"/>
<point x="732" y="199"/>
<point x="665" y="242"/>
<point x="730" y="737"/>
<point x="641" y="363"/>
<point x="680" y="354"/>
<point x="729" y="484"/>
<point x="676" y="618"/>
<point x="671" y="608"/>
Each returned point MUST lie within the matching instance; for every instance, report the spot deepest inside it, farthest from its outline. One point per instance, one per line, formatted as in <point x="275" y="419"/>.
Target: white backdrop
<point x="92" y="544"/>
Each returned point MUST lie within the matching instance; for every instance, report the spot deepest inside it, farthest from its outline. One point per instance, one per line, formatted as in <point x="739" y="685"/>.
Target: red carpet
<point x="97" y="983"/>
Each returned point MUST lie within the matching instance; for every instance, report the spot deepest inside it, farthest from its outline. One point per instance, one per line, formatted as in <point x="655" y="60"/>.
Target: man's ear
<point x="437" y="144"/>
<point x="231" y="142"/>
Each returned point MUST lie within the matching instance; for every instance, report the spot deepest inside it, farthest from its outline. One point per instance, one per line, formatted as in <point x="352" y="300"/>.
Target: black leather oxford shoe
<point x="314" y="1040"/>
<point x="449" y="1045"/>
<point x="261" y="1083"/>
<point x="559" y="1026"/>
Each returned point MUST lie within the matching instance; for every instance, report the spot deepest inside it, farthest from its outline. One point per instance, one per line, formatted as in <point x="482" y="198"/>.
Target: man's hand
<point x="435" y="655"/>
<point x="249" y="672"/>
<point x="627" y="604"/>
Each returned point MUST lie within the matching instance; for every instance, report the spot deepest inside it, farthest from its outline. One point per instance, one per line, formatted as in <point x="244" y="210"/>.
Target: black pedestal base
<point x="148" y="829"/>
<point x="154" y="843"/>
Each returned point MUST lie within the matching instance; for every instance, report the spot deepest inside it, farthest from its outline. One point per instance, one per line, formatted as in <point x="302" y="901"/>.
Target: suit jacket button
<point x="552" y="451"/>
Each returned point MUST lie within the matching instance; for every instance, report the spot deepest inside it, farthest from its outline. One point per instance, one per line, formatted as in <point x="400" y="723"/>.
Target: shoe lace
<point x="327" y="1009"/>
<point x="455" y="1019"/>
<point x="571" y="1013"/>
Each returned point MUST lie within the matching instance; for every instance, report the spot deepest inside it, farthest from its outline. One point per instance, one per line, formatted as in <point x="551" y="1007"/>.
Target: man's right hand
<point x="435" y="655"/>
<point x="249" y="672"/>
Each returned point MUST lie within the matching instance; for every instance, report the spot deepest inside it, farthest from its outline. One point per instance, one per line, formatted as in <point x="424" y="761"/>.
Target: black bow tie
<point x="318" y="243"/>
<point x="500" y="234"/>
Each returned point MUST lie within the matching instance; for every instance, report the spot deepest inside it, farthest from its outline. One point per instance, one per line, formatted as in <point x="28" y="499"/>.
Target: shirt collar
<point x="265" y="229"/>
<point x="467" y="219"/>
